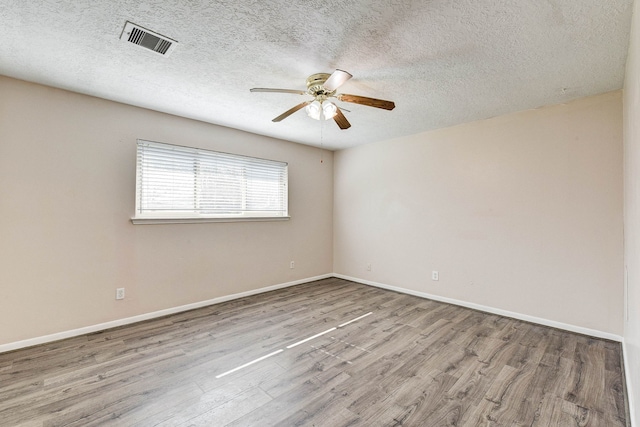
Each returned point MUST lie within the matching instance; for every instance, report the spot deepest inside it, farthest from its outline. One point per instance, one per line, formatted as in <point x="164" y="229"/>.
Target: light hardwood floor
<point x="411" y="362"/>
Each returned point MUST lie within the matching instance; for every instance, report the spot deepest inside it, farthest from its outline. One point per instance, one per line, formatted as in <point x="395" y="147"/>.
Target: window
<point x="181" y="184"/>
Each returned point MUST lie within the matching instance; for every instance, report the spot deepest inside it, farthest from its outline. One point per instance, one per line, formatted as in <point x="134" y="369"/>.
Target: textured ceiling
<point x="442" y="62"/>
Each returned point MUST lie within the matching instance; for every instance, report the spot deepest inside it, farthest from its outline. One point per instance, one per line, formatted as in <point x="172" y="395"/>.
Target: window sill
<point x="201" y="220"/>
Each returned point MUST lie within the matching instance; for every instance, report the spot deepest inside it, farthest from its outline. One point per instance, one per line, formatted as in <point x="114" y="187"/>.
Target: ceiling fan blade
<point x="291" y="111"/>
<point x="341" y="120"/>
<point x="335" y="80"/>
<point x="266" y="89"/>
<point x="363" y="100"/>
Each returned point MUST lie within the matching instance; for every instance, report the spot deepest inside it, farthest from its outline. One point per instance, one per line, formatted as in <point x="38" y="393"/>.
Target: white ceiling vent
<point x="148" y="39"/>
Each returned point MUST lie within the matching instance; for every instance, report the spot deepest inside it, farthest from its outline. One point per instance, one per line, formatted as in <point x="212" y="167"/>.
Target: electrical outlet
<point x="369" y="267"/>
<point x="120" y="293"/>
<point x="292" y="265"/>
<point x="435" y="275"/>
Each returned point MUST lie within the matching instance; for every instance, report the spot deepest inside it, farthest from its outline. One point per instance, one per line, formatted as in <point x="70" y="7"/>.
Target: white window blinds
<point x="182" y="182"/>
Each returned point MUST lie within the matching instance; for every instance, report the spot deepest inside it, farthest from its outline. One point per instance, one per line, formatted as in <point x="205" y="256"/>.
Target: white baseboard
<point x="487" y="309"/>
<point x="627" y="375"/>
<point x="126" y="321"/>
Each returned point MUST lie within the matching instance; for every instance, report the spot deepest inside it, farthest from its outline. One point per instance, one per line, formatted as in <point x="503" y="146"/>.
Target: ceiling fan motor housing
<point x="315" y="86"/>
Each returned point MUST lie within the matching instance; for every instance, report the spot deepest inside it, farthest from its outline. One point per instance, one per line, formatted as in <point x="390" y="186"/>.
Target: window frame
<point x="192" y="216"/>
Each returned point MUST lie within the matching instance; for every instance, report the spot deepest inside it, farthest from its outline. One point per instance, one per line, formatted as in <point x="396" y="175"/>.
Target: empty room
<point x="340" y="213"/>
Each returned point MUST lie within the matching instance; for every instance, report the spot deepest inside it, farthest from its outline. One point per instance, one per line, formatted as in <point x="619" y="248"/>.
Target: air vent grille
<point x="148" y="39"/>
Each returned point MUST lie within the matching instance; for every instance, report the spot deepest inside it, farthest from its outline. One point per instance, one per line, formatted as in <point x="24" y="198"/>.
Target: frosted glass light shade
<point x="329" y="110"/>
<point x="326" y="110"/>
<point x="314" y="109"/>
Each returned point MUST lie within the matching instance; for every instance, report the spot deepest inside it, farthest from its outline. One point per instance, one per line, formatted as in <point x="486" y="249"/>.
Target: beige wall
<point x="520" y="213"/>
<point x="67" y="185"/>
<point x="632" y="211"/>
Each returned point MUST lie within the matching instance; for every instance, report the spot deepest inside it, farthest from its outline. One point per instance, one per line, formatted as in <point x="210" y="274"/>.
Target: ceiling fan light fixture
<point x="329" y="110"/>
<point x="314" y="110"/>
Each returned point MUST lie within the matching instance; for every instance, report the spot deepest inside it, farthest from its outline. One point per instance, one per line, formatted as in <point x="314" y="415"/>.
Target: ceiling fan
<point x="321" y="87"/>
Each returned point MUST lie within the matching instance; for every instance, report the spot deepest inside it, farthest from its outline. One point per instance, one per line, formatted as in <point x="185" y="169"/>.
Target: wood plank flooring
<point x="411" y="362"/>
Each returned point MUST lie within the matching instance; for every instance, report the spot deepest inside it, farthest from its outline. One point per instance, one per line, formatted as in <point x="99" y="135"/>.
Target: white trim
<point x="159" y="220"/>
<point x="147" y="316"/>
<point x="627" y="377"/>
<point x="487" y="309"/>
